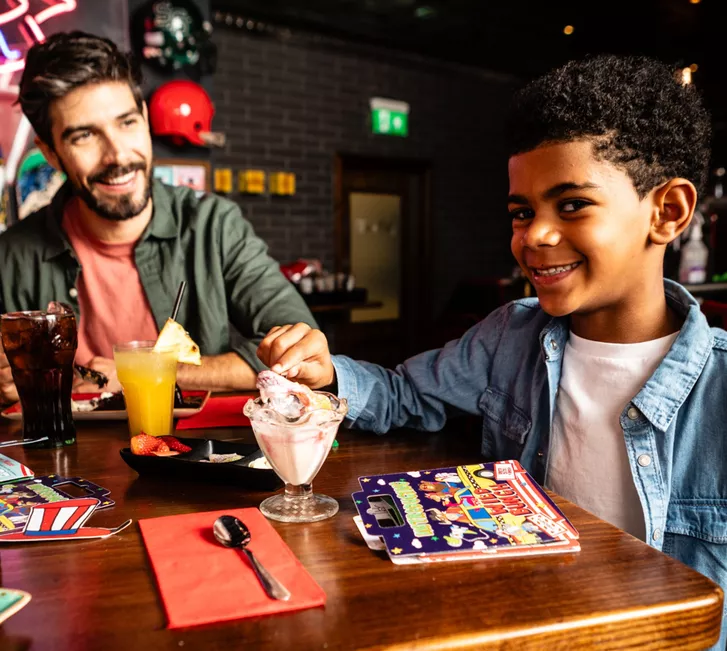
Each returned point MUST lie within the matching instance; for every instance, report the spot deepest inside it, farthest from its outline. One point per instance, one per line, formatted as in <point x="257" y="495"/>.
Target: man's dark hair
<point x="67" y="61"/>
<point x="636" y="112"/>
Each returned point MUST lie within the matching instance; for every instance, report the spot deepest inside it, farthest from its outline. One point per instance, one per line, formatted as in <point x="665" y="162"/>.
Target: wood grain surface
<point x="617" y="593"/>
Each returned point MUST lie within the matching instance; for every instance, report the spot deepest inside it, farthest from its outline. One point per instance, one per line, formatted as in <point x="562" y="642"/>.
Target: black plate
<point x="189" y="465"/>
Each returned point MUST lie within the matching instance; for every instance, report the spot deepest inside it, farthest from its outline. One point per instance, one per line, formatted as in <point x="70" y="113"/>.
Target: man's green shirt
<point x="206" y="241"/>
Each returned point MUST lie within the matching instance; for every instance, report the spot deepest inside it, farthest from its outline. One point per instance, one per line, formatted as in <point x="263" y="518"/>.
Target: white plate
<point x="14" y="412"/>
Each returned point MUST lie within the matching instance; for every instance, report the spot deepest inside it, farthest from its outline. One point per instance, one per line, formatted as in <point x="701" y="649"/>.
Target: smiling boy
<point x="610" y="386"/>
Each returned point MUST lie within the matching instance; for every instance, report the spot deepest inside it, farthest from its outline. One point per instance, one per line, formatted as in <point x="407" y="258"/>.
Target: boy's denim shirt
<point x="507" y="368"/>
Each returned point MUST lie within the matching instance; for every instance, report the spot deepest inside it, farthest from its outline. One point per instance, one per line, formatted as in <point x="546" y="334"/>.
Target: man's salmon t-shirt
<point x="113" y="305"/>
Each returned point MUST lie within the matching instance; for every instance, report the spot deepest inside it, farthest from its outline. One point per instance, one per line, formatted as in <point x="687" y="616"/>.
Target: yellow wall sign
<point x="223" y="180"/>
<point x="282" y="183"/>
<point x="251" y="181"/>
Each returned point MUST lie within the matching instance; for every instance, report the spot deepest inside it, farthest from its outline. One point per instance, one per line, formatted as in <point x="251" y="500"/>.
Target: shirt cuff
<point x="346" y="377"/>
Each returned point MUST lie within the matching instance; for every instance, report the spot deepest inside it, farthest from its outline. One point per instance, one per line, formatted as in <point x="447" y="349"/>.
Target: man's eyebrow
<point x="555" y="191"/>
<point x="69" y="131"/>
<point x="128" y="114"/>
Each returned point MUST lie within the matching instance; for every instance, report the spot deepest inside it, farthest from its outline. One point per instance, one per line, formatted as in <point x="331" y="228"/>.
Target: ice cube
<point x="56" y="307"/>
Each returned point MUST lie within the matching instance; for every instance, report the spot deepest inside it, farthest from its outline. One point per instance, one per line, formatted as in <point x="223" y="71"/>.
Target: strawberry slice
<point x="175" y="444"/>
<point x="145" y="445"/>
<point x="164" y="451"/>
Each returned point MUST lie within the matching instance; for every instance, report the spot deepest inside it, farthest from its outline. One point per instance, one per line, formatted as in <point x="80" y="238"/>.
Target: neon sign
<point x="20" y="28"/>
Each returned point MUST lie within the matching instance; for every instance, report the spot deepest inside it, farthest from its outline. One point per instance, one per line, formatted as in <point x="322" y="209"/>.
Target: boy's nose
<point x="541" y="232"/>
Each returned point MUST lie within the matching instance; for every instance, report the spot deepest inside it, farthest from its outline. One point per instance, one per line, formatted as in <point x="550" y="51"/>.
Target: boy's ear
<point x="673" y="207"/>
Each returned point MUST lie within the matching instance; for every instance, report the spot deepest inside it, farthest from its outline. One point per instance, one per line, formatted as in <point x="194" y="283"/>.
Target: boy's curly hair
<point x="638" y="115"/>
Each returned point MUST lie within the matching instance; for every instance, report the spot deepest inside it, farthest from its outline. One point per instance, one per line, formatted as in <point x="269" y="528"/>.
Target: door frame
<point x="418" y="267"/>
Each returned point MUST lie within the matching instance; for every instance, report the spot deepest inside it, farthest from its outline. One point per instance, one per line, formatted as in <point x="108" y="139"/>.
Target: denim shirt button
<point x="644" y="460"/>
<point x="656" y="535"/>
<point x="632" y="413"/>
<point x="541" y="454"/>
<point x="554" y="344"/>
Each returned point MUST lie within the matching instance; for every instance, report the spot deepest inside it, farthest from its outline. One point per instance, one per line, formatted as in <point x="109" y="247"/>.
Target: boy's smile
<point x="580" y="229"/>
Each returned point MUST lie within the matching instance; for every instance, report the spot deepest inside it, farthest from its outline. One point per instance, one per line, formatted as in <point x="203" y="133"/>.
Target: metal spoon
<point x="232" y="532"/>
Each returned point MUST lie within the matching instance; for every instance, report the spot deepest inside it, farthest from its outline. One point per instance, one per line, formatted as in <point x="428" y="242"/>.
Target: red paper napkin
<point x="220" y="411"/>
<point x="202" y="582"/>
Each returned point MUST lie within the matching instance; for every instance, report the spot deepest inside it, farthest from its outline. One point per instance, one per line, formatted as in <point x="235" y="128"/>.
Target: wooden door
<point x="399" y="192"/>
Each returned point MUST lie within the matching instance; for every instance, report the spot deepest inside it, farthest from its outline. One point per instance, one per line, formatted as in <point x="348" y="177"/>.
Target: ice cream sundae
<point x="295" y="428"/>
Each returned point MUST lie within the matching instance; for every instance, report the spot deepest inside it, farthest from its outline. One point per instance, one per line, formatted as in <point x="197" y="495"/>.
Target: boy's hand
<point x="300" y="353"/>
<point x="8" y="392"/>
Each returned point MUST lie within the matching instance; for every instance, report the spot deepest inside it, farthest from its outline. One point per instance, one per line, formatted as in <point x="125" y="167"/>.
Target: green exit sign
<point x="389" y="117"/>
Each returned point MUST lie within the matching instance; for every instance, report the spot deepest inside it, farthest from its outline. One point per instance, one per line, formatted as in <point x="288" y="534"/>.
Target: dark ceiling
<point x="519" y="36"/>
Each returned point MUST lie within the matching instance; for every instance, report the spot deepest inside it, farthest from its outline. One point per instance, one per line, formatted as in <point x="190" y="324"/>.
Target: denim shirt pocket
<point x="502" y="417"/>
<point x="696" y="534"/>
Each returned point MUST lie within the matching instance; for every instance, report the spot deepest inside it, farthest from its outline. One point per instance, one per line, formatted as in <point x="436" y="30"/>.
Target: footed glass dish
<point x="296" y="450"/>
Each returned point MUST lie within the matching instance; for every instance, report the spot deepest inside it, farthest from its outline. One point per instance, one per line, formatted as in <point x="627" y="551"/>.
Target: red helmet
<point x="183" y="111"/>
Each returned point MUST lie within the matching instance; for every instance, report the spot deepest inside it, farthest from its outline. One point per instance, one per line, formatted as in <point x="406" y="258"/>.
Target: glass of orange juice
<point x="148" y="377"/>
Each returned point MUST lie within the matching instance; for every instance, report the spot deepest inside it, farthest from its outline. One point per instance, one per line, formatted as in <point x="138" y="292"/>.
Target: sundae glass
<point x="295" y="428"/>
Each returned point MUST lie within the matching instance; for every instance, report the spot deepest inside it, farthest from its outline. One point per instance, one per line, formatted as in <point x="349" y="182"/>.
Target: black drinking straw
<point x="178" y="301"/>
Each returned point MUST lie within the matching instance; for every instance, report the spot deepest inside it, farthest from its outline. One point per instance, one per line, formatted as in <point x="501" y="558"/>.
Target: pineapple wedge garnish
<point x="175" y="336"/>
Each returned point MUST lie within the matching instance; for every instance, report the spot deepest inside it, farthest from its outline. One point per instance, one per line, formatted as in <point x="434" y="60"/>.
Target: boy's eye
<point x="520" y="214"/>
<point x="129" y="122"/>
<point x="573" y="205"/>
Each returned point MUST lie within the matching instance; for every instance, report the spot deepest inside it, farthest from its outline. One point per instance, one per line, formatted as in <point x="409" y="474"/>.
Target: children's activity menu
<point x="463" y="512"/>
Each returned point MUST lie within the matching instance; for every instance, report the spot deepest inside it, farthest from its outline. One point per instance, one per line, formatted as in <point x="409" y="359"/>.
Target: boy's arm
<point x="420" y="393"/>
<point x="423" y="391"/>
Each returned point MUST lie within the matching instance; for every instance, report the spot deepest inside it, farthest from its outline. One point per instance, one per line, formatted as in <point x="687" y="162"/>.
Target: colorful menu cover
<point x="462" y="513"/>
<point x="11" y="601"/>
<point x="11" y="470"/>
<point x="18" y="499"/>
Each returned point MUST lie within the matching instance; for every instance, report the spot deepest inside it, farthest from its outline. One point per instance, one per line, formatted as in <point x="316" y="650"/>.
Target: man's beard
<point x="118" y="208"/>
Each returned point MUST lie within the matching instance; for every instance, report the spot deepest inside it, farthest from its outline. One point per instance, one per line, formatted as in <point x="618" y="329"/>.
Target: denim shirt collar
<point x="163" y="224"/>
<point x="665" y="391"/>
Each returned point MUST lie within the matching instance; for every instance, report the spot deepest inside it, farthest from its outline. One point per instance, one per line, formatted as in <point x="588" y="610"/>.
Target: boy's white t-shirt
<point x="587" y="462"/>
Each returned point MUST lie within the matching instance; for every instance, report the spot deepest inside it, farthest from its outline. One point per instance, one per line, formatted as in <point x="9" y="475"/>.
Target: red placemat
<point x="220" y="411"/>
<point x="202" y="582"/>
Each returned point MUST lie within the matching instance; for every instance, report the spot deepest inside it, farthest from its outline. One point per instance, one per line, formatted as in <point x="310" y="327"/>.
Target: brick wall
<point x="292" y="103"/>
<point x="153" y="78"/>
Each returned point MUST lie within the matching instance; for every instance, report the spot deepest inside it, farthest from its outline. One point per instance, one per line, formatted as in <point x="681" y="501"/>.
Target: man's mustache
<point x="115" y="171"/>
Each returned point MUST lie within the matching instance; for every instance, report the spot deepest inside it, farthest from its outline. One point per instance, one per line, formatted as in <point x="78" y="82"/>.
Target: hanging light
<point x="568" y="30"/>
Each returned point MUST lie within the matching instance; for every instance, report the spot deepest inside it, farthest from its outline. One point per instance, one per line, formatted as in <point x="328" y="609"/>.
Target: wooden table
<point x="100" y="594"/>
